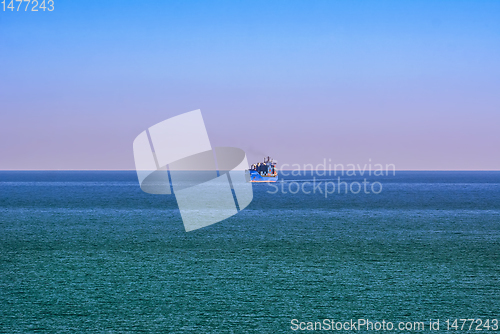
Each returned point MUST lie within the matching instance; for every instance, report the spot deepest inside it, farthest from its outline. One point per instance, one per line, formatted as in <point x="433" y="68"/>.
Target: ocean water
<point x="90" y="252"/>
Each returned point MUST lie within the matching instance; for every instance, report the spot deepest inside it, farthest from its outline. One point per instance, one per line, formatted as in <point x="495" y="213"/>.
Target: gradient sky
<point x="410" y="83"/>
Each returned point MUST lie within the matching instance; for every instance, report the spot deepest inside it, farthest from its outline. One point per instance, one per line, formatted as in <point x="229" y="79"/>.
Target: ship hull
<point x="253" y="176"/>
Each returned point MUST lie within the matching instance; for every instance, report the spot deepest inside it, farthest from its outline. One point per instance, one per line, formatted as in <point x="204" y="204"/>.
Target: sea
<point x="89" y="252"/>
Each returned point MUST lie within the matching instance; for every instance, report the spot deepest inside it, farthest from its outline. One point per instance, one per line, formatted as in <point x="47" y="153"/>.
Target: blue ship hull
<point x="253" y="176"/>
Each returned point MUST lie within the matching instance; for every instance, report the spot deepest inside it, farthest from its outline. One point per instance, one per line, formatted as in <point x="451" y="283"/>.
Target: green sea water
<point x="90" y="252"/>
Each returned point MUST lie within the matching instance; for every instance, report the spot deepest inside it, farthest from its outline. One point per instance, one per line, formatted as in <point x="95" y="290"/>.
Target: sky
<point x="410" y="83"/>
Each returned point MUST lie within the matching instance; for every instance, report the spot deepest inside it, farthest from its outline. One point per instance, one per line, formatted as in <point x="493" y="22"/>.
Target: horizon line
<point x="288" y="170"/>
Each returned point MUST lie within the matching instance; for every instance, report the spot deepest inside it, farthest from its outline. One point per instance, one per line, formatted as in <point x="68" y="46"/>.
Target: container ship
<point x="263" y="171"/>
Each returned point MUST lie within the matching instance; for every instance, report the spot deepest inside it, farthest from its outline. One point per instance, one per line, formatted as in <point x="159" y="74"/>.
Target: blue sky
<point x="411" y="83"/>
